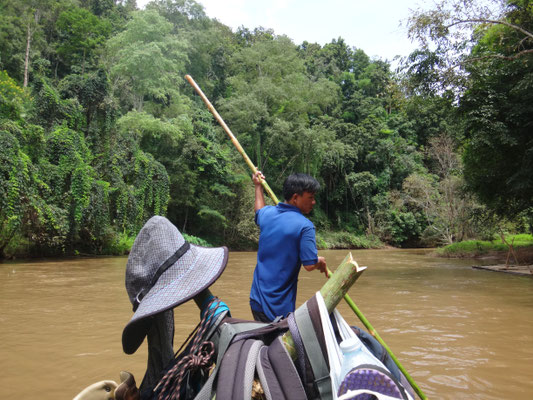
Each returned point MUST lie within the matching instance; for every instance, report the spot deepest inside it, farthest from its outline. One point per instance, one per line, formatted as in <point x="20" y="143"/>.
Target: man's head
<point x="299" y="190"/>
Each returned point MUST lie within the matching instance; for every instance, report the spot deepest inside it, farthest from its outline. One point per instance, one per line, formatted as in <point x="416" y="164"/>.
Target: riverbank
<point x="336" y="240"/>
<point x="495" y="255"/>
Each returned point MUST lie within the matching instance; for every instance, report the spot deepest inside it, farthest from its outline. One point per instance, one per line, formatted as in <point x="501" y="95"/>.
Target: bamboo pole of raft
<point x="338" y="284"/>
<point x="332" y="291"/>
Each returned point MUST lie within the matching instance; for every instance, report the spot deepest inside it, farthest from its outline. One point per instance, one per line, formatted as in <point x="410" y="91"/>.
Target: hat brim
<point x="198" y="269"/>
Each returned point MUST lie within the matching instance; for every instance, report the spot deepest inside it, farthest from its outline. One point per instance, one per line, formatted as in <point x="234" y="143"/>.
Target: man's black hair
<point x="299" y="183"/>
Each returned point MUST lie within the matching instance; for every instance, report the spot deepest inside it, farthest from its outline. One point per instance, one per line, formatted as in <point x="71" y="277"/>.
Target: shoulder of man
<point x="266" y="208"/>
<point x="259" y="213"/>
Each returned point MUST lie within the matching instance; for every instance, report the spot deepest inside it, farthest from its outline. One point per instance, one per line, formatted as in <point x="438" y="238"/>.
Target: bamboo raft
<point x="524" y="270"/>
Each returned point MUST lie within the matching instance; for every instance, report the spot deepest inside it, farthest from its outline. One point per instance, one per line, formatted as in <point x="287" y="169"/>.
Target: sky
<point x="375" y="26"/>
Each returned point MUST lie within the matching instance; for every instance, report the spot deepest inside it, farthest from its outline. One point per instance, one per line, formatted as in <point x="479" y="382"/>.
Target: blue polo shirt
<point x="287" y="240"/>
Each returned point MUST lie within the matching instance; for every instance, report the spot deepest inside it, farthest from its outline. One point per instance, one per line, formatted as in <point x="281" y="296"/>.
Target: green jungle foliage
<point x="99" y="131"/>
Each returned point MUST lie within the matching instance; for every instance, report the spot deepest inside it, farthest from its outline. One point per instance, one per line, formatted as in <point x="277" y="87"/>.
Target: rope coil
<point x="199" y="357"/>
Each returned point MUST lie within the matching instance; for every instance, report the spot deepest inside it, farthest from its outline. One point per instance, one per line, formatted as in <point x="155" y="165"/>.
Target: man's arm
<point x="258" y="177"/>
<point x="320" y="265"/>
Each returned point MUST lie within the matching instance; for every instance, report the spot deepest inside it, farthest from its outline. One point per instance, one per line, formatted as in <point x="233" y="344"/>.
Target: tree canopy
<point x="489" y="46"/>
<point x="99" y="131"/>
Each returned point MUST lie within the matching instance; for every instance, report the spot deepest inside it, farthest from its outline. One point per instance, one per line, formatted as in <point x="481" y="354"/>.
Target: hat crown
<point x="156" y="242"/>
<point x="164" y="271"/>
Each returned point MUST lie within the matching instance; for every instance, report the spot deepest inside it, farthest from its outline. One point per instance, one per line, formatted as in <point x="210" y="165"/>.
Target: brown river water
<point x="461" y="333"/>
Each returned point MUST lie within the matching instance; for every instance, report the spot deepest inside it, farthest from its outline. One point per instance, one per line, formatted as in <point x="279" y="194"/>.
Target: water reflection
<point x="461" y="333"/>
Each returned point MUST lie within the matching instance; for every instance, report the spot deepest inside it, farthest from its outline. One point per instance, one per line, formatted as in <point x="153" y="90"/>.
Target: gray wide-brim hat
<point x="164" y="271"/>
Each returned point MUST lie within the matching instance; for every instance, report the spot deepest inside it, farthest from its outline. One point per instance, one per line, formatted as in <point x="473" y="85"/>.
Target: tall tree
<point x="146" y="61"/>
<point x="449" y="31"/>
<point x="33" y="22"/>
<point x="21" y="22"/>
<point x="274" y="107"/>
<point x="496" y="61"/>
<point x="179" y="12"/>
<point x="439" y="195"/>
<point x="81" y="32"/>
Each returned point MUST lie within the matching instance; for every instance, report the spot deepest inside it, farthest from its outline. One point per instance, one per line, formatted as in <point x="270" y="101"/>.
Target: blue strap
<point x="220" y="304"/>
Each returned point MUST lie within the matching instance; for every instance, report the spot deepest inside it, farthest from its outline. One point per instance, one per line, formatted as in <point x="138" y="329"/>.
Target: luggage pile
<point x="297" y="357"/>
<point x="287" y="359"/>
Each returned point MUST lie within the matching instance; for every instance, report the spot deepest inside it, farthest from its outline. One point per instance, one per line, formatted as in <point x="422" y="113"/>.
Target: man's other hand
<point x="320" y="265"/>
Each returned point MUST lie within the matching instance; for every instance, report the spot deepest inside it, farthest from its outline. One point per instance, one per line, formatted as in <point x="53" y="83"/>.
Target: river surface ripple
<point x="461" y="333"/>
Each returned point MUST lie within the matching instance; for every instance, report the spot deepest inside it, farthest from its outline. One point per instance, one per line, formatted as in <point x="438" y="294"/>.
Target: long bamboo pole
<point x="269" y="191"/>
<point x="230" y="134"/>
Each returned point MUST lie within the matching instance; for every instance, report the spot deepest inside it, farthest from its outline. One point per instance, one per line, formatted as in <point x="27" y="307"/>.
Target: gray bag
<point x="243" y="353"/>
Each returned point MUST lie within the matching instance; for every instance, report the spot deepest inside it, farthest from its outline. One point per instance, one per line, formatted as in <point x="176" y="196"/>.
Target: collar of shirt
<point x="288" y="207"/>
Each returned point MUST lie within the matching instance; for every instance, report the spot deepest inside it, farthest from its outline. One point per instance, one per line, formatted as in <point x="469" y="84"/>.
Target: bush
<point x="473" y="248"/>
<point x="197" y="241"/>
<point x="467" y="248"/>
<point x="398" y="228"/>
<point x="13" y="99"/>
<point x="16" y="248"/>
<point x="520" y="240"/>
<point x="120" y="245"/>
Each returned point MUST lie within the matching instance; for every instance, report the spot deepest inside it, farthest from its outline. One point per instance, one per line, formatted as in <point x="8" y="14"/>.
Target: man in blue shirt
<point x="286" y="241"/>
